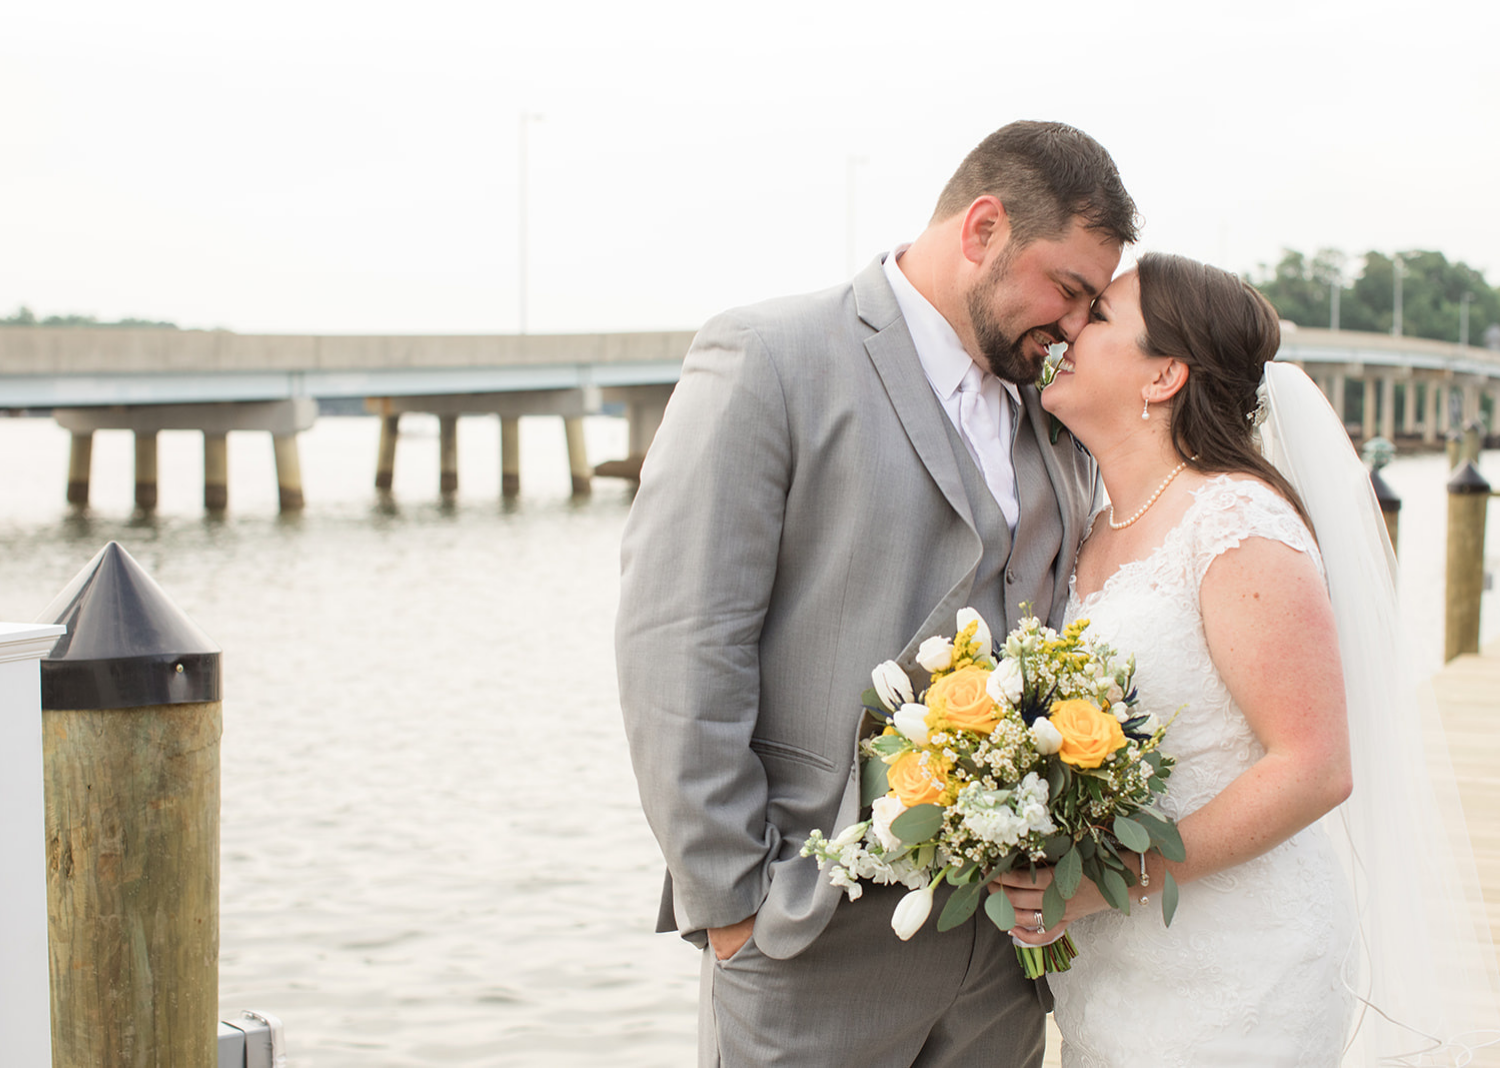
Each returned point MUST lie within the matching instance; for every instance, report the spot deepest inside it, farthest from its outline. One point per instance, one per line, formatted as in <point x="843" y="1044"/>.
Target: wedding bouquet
<point x="1034" y="757"/>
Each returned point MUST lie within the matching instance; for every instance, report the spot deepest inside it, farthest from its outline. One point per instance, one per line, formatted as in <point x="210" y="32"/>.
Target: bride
<point x="1258" y="599"/>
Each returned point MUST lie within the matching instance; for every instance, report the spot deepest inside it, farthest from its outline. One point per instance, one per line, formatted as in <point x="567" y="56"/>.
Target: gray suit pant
<point x="859" y="996"/>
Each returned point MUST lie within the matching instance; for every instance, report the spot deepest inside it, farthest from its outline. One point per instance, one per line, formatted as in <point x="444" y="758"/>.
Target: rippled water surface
<point x="432" y="848"/>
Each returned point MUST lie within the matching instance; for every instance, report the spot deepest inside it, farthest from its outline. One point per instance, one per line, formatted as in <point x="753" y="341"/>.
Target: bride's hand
<point x="1025" y="894"/>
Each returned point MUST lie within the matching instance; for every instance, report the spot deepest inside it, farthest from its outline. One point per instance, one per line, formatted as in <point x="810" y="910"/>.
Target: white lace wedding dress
<point x="1249" y="972"/>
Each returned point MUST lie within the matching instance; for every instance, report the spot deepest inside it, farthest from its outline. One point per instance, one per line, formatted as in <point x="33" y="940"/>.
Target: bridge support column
<point x="288" y="472"/>
<point x="1408" y="407"/>
<point x="80" y="460"/>
<point x="1368" y="409"/>
<point x="145" y="470"/>
<point x="1388" y="407"/>
<point x="448" y="454"/>
<point x="385" y="459"/>
<point x="1336" y="394"/>
<point x="1471" y="403"/>
<point x="1429" y="413"/>
<point x="578" y="457"/>
<point x="215" y="471"/>
<point x="1445" y="410"/>
<point x="510" y="456"/>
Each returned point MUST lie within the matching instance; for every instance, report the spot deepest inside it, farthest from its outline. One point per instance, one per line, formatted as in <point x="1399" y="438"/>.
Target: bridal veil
<point x="1424" y="967"/>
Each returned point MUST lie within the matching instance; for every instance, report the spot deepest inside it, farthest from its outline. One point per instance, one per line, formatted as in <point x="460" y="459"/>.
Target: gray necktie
<point x="988" y="439"/>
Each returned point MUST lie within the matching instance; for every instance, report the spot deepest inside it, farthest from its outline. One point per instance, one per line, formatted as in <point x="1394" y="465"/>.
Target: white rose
<point x="911" y="720"/>
<point x="1005" y="682"/>
<point x="935" y="654"/>
<point x="1047" y="737"/>
<point x="892" y="685"/>
<point x="981" y="633"/>
<point x="911" y="913"/>
<point x="883" y="812"/>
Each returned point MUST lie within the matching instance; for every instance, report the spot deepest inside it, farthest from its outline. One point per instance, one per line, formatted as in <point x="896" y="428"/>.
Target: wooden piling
<point x="131" y="720"/>
<point x="215" y="471"/>
<point x="578" y="458"/>
<point x="1468" y="500"/>
<point x="133" y="884"/>
<point x="510" y="456"/>
<point x="385" y="459"/>
<point x="80" y="460"/>
<point x="288" y="472"/>
<point x="145" y="470"/>
<point x="448" y="454"/>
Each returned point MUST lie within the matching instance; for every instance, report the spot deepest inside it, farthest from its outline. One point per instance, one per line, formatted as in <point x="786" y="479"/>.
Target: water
<point x="432" y="848"/>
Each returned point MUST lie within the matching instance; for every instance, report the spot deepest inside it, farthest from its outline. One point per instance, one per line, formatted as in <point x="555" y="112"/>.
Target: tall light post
<point x="1463" y="318"/>
<point x="849" y="255"/>
<point x="1335" y="290"/>
<point x="526" y="119"/>
<point x="1399" y="266"/>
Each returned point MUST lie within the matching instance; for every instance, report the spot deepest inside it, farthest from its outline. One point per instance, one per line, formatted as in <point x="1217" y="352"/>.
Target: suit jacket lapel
<point x="895" y="358"/>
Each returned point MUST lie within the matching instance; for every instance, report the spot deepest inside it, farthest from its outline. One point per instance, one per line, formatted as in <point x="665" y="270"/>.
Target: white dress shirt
<point x="945" y="362"/>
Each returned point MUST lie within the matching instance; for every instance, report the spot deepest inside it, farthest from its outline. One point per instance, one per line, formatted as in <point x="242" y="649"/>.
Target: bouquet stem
<point x="1057" y="956"/>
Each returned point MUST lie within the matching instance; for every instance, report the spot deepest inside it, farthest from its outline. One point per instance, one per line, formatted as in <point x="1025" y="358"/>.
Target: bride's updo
<point x="1225" y="331"/>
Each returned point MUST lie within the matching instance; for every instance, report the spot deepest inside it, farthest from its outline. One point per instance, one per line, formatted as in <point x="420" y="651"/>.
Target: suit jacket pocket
<point x="781" y="751"/>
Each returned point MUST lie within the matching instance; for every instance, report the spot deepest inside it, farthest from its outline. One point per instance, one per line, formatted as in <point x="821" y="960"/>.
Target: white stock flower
<point x="935" y="654"/>
<point x="841" y="878"/>
<point x="1047" y="737"/>
<point x="981" y="633"/>
<point x="847" y="837"/>
<point x="911" y="913"/>
<point x="892" y="685"/>
<point x="1005" y="682"/>
<point x="911" y="720"/>
<point x="883" y="811"/>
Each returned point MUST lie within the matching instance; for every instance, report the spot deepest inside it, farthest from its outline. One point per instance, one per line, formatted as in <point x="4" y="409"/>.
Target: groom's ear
<point x="985" y="229"/>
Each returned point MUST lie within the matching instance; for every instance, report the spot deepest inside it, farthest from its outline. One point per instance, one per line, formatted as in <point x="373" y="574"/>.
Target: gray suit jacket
<point x="801" y="517"/>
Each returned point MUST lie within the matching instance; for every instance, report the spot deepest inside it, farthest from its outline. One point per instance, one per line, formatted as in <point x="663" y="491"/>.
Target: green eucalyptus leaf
<point x="1053" y="905"/>
<point x="1068" y="872"/>
<point x="1086" y="848"/>
<point x="1112" y="886"/>
<point x="961" y="905"/>
<point x="1057" y="777"/>
<point x="889" y="745"/>
<point x="1168" y="899"/>
<point x="961" y="876"/>
<point x="1057" y="845"/>
<point x="873" y="782"/>
<point x="918" y="824"/>
<point x="999" y="910"/>
<point x="871" y="699"/>
<point x="1131" y="834"/>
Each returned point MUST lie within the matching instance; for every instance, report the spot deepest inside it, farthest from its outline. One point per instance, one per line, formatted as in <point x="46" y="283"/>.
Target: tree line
<point x="24" y="316"/>
<point x="1434" y="293"/>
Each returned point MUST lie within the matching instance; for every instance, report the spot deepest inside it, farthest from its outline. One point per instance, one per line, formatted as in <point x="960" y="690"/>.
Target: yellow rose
<point x="1089" y="736"/>
<point x="961" y="701"/>
<point x="914" y="783"/>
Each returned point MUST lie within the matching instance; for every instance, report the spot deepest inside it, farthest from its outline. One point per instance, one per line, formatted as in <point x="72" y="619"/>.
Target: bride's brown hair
<point x="1224" y="331"/>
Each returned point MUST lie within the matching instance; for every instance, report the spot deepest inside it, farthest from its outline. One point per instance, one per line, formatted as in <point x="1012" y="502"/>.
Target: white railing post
<point x="25" y="1004"/>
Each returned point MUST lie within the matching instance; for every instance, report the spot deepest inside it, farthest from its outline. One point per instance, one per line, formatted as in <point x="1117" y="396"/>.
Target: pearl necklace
<point x="1149" y="500"/>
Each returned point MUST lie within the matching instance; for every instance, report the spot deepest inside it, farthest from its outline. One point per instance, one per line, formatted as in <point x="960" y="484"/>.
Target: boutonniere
<point x="1043" y="380"/>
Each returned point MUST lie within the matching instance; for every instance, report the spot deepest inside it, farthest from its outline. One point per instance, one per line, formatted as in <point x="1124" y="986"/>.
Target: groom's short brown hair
<point x="1045" y="174"/>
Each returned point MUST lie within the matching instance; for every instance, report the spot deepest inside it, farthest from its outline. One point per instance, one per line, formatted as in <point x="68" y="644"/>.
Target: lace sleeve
<point x="1229" y="511"/>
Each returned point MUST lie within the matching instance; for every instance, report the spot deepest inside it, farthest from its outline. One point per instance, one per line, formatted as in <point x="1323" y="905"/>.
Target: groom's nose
<point x="1074" y="321"/>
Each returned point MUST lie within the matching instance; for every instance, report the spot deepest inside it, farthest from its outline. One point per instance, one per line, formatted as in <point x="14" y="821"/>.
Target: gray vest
<point x="1010" y="573"/>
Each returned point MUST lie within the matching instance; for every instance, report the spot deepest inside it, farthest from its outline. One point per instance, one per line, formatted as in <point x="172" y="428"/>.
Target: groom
<point x="836" y="475"/>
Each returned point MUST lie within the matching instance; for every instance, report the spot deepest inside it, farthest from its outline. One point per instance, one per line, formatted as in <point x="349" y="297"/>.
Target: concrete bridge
<point x="148" y="380"/>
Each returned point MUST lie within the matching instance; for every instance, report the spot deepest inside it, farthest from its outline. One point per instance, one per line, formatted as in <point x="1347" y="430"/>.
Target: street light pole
<point x="1463" y="318"/>
<point x="1400" y="269"/>
<point x="1335" y="289"/>
<point x="849" y="255"/>
<point x="527" y="118"/>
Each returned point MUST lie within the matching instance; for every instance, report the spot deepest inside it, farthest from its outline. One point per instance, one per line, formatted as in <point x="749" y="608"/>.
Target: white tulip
<point x="935" y="654"/>
<point x="1005" y="682"/>
<point x="981" y="633"/>
<point x="1047" y="737"/>
<point x="892" y="685"/>
<point x="912" y="912"/>
<point x="911" y="720"/>
<point x="1151" y="726"/>
<point x="882" y="812"/>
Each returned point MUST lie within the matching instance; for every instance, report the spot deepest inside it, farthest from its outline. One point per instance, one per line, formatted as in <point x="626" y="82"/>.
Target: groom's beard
<point x="1003" y="352"/>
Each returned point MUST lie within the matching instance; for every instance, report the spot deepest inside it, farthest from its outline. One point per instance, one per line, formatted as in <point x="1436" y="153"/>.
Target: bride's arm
<point x="1271" y="636"/>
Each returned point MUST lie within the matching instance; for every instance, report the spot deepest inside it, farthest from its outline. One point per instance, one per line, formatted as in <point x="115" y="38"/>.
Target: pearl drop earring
<point x="1145" y="409"/>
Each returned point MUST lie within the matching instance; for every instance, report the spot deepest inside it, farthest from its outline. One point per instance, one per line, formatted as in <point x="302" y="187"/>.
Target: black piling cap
<point x="1467" y="479"/>
<point x="127" y="645"/>
<point x="1389" y="502"/>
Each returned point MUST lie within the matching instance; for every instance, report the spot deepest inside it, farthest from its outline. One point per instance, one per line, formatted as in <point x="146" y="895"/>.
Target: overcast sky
<point x="352" y="166"/>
